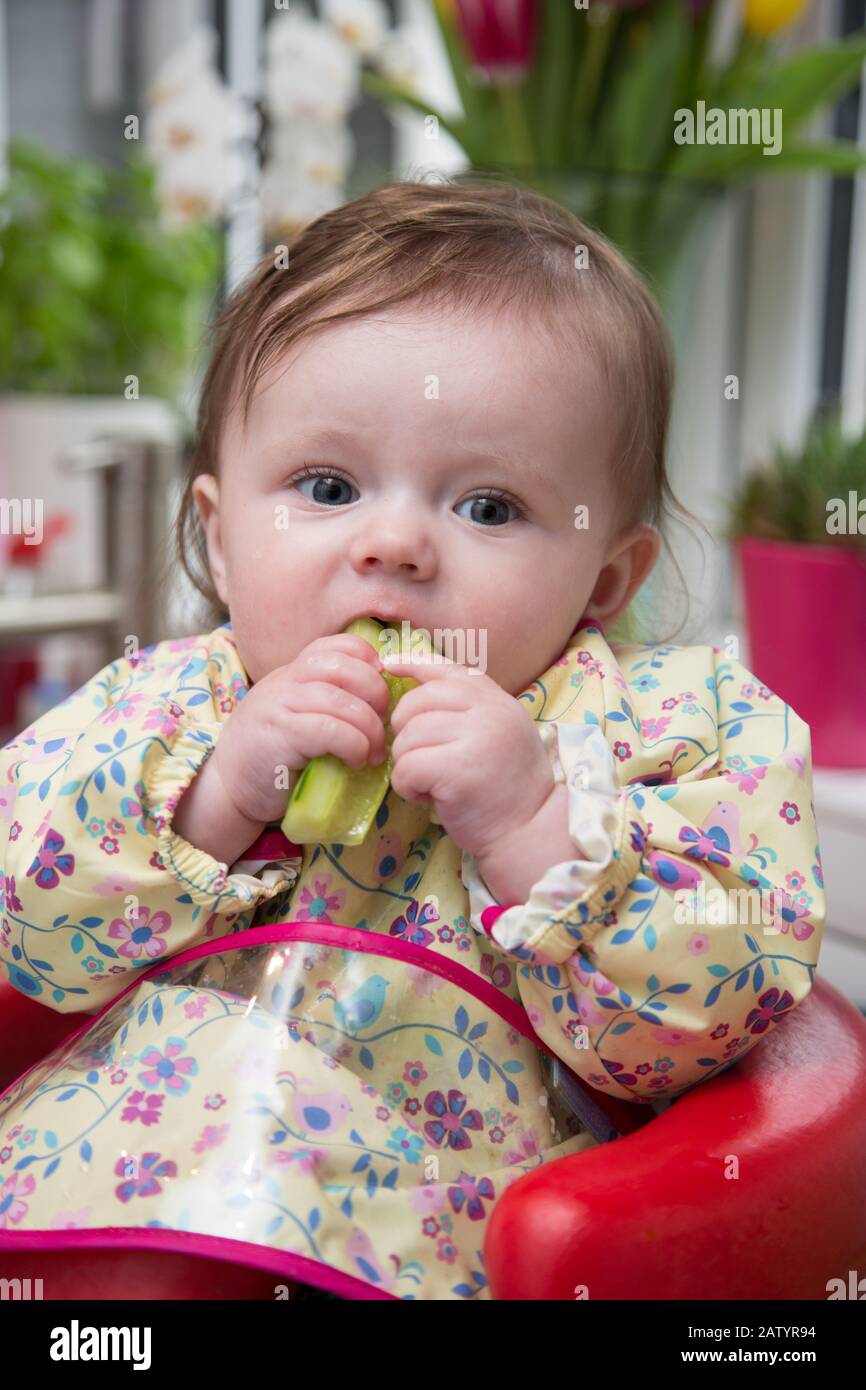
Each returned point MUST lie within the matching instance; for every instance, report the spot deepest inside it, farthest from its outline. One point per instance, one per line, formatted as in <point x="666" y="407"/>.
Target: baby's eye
<point x="326" y="484"/>
<point x="491" y="505"/>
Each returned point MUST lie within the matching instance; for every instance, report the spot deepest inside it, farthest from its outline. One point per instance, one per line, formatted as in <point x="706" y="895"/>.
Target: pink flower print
<point x="148" y="1172"/>
<point x="795" y="881"/>
<point x="450" y="1125"/>
<point x="698" y="943"/>
<point x="6" y="1153"/>
<point x="72" y="1220"/>
<point x="15" y="830"/>
<point x="165" y="720"/>
<point x="446" y="1250"/>
<point x="51" y="861"/>
<point x="536" y="1016"/>
<point x="140" y="933"/>
<point x="116" y="885"/>
<point x="428" y="1199"/>
<point x="12" y="1190"/>
<point x="8" y="896"/>
<point x="305" y="1160"/>
<point x="790" y="812"/>
<point x="122" y="709"/>
<point x="195" y="1008"/>
<point x="528" y="1147"/>
<point x="671" y="1037"/>
<point x="211" y="1138"/>
<point x="589" y="977"/>
<point x="747" y="779"/>
<point x="795" y="761"/>
<point x="622" y="751"/>
<point x="95" y="827"/>
<point x="168" y="1069"/>
<point x="11" y="1193"/>
<point x="116" y="827"/>
<point x="654" y="728"/>
<point x="109" y="845"/>
<point x="771" y="1006"/>
<point x="315" y="907"/>
<point x="789" y="913"/>
<point x="414" y="1073"/>
<point x="720" y="1031"/>
<point x="423" y="982"/>
<point x="214" y="1102"/>
<point x="471" y="1193"/>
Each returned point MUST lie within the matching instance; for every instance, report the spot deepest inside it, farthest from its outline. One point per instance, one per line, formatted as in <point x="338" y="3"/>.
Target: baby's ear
<point x="206" y="492"/>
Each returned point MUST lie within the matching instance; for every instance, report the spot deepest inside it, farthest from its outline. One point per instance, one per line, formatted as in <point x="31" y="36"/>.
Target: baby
<point x="595" y="878"/>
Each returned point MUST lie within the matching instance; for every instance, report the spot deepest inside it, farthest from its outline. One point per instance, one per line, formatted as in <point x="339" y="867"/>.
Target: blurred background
<point x="152" y="150"/>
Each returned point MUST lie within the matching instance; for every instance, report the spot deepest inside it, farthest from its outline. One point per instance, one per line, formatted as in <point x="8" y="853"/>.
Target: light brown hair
<point x="463" y="245"/>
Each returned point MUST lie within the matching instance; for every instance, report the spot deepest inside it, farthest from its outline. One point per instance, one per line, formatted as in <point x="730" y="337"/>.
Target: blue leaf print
<point x="346" y="1209"/>
<point x="44" y="789"/>
<point x="652" y="983"/>
<point x="461" y="1020"/>
<point x="621" y="1028"/>
<point x="313" y="1219"/>
<point x="712" y="996"/>
<point x="91" y="921"/>
<point x="53" y="1165"/>
<point x="143" y="1012"/>
<point x="558" y="1004"/>
<point x="649" y="936"/>
<point x="81" y="808"/>
<point x="478" y="1031"/>
<point x="366" y="1057"/>
<point x="676" y="989"/>
<point x="641" y="905"/>
<point x="25" y="1162"/>
<point x="638" y="800"/>
<point x="734" y="730"/>
<point x="382" y="814"/>
<point x="118" y="773"/>
<point x="717" y="969"/>
<point x="433" y="1044"/>
<point x="157" y="1010"/>
<point x="616" y="716"/>
<point x="51" y="1138"/>
<point x="750" y="942"/>
<point x="42" y="965"/>
<point x="355" y="1137"/>
<point x="197" y="699"/>
<point x="67" y="1095"/>
<point x="362" y="1163"/>
<point x="274" y="1224"/>
<point x="647" y="1017"/>
<point x="741" y="706"/>
<point x="590" y="718"/>
<point x="372" y="1182"/>
<point x="23" y="791"/>
<point x="99" y="780"/>
<point x="513" y="1065"/>
<point x="641" y="885"/>
<point x="707" y="1061"/>
<point x="621" y="937"/>
<point x="105" y="950"/>
<point x="69" y="787"/>
<point x="512" y="1093"/>
<point x="608" y="1003"/>
<point x="742" y="979"/>
<point x="297" y="997"/>
<point x="484" y="1069"/>
<point x="758" y="977"/>
<point x="391" y="1179"/>
<point x="86" y="1150"/>
<point x="465" y="1064"/>
<point x="410" y="882"/>
<point x="120" y="738"/>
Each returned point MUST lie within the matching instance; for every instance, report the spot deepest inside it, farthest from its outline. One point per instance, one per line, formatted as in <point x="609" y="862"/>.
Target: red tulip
<point x="500" y="34"/>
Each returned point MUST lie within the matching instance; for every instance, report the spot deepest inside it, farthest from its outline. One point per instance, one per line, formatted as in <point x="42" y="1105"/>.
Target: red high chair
<point x="656" y="1214"/>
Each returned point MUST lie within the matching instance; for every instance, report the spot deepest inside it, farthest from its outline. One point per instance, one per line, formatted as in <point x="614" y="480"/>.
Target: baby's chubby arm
<point x="516" y="862"/>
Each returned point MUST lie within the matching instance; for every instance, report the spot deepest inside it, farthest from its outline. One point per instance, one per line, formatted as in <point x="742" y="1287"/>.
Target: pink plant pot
<point x="805" y="608"/>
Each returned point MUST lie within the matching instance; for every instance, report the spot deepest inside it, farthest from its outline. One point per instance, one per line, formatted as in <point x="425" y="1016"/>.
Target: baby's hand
<point x="330" y="699"/>
<point x="463" y="742"/>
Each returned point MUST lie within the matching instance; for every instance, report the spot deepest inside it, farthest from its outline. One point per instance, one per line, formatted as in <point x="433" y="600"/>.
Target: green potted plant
<point x="101" y="306"/>
<point x="799" y="531"/>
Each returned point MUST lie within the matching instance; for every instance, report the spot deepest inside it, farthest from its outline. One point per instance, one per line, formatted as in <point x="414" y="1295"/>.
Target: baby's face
<point x="411" y="422"/>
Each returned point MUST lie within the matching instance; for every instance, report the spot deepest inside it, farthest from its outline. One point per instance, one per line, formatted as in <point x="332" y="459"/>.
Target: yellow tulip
<point x="766" y="16"/>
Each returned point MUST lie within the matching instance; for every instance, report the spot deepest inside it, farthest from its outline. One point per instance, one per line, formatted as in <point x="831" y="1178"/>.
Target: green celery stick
<point x="332" y="803"/>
